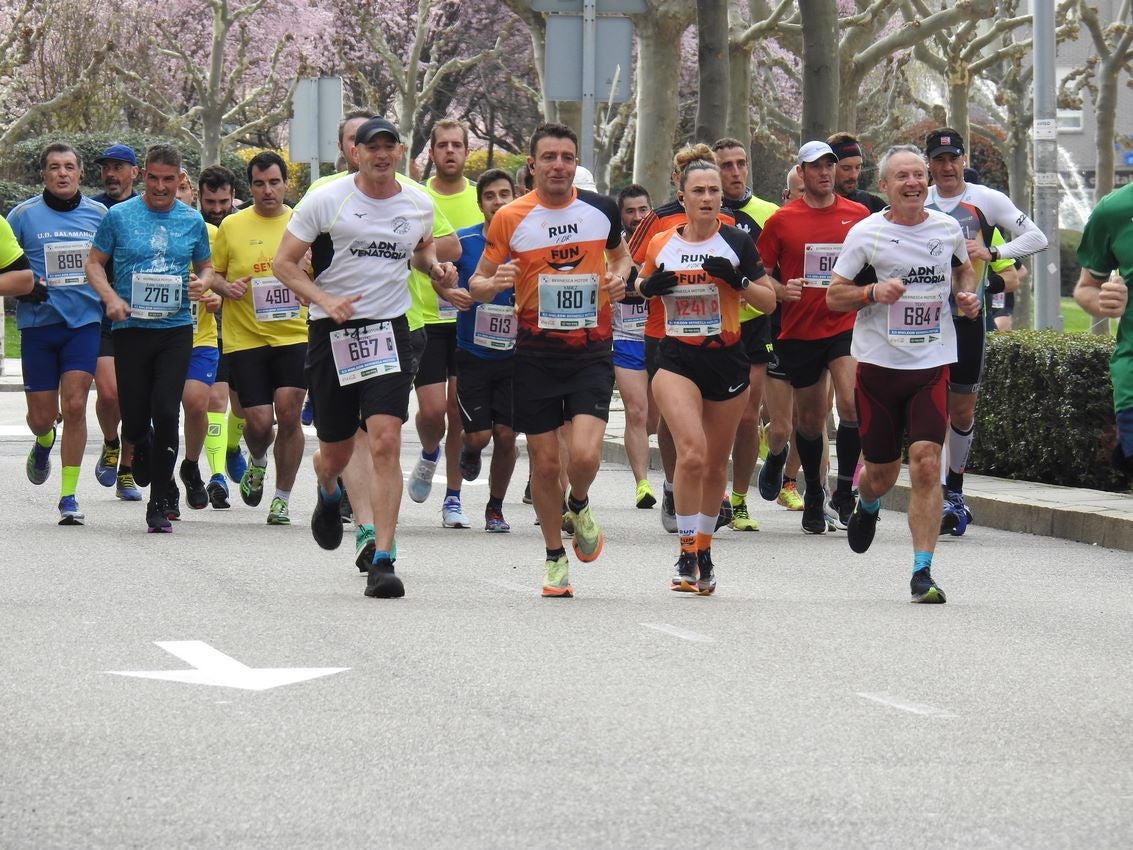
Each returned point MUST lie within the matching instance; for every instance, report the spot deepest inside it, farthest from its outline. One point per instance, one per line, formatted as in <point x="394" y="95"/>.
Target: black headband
<point x="847" y="149"/>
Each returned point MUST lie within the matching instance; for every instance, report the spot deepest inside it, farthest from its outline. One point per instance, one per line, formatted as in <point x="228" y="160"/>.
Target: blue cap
<point x="120" y="153"/>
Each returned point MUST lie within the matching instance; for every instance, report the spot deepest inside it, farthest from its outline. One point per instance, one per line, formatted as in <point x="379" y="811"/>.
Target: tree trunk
<point x="739" y="94"/>
<point x="713" y="62"/>
<point x="658" y="74"/>
<point x="820" y="67"/>
<point x="959" y="82"/>
<point x="1105" y="111"/>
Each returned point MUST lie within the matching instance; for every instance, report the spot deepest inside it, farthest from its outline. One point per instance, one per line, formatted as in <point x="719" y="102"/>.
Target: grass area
<point x="11" y="338"/>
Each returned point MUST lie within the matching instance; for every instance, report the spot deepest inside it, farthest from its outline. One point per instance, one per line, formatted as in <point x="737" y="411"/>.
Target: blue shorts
<point x="48" y="351"/>
<point x="629" y="354"/>
<point x="202" y="364"/>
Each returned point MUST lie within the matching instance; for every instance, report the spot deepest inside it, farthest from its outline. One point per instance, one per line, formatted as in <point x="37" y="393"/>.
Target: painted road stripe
<point x="683" y="634"/>
<point x="906" y="705"/>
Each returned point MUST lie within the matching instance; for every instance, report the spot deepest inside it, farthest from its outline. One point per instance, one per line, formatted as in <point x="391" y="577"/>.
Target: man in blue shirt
<point x="153" y="240"/>
<point x="59" y="326"/>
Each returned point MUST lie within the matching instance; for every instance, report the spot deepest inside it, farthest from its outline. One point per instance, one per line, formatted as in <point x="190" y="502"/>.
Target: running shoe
<point x="926" y="590"/>
<point x="421" y="479"/>
<point x="567" y="524"/>
<point x="69" y="513"/>
<point x="861" y="528"/>
<point x="706" y="574"/>
<point x="382" y="582"/>
<point x="494" y="521"/>
<point x="789" y="497"/>
<point x="762" y="442"/>
<point x="470" y="463"/>
<point x="645" y="497"/>
<point x="668" y="512"/>
<point x="307" y="415"/>
<point x="235" y="464"/>
<point x="39" y="460"/>
<point x="814" y="514"/>
<point x="277" y="513"/>
<point x="127" y="489"/>
<point x="173" y="502"/>
<point x="587" y="535"/>
<point x="252" y="484"/>
<point x="345" y="508"/>
<point x="842" y="505"/>
<point x="770" y="479"/>
<point x="452" y="514"/>
<point x="157" y="520"/>
<point x="956" y="514"/>
<point x="725" y="516"/>
<point x="684" y="579"/>
<point x="196" y="494"/>
<point x="106" y="470"/>
<point x="218" y="493"/>
<point x="527" y="493"/>
<point x="364" y="548"/>
<point x="141" y="464"/>
<point x="741" y="519"/>
<point x="556" y="579"/>
<point x="326" y="525"/>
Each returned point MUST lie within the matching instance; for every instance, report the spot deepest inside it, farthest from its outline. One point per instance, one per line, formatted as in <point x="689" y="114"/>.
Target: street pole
<point x="589" y="74"/>
<point x="1045" y="273"/>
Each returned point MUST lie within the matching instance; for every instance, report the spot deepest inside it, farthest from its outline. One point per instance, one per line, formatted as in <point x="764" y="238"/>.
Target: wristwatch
<point x="994" y="254"/>
<point x="745" y="283"/>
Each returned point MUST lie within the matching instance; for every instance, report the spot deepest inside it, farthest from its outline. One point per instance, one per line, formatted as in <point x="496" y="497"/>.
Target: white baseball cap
<point x="583" y="179"/>
<point x="814" y="151"/>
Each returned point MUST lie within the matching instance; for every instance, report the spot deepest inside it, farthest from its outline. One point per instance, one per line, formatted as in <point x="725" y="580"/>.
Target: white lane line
<point x="509" y="585"/>
<point x="683" y="634"/>
<point x="907" y="705"/>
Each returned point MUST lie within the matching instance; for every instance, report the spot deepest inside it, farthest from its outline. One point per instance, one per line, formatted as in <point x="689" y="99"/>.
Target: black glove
<point x="632" y="295"/>
<point x="995" y="283"/>
<point x="723" y="269"/>
<point x="660" y="282"/>
<point x="37" y="295"/>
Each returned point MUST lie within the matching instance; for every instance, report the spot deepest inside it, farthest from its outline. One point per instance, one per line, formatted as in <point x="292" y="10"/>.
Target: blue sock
<point x="433" y="455"/>
<point x="379" y="555"/>
<point x="452" y="494"/>
<point x="921" y="561"/>
<point x="331" y="497"/>
<point x="870" y="507"/>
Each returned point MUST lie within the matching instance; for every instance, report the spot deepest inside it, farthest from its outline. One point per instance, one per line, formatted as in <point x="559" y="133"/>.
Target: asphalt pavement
<point x="806" y="704"/>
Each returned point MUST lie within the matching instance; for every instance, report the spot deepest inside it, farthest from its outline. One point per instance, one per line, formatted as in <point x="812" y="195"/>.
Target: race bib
<point x="272" y="301"/>
<point x="64" y="261"/>
<point x="369" y="351"/>
<point x="633" y="316"/>
<point x="446" y="310"/>
<point x="568" y="301"/>
<point x="999" y="301"/>
<point x="818" y="263"/>
<point x="914" y="319"/>
<point x="495" y="327"/>
<point x="195" y="312"/>
<point x="692" y="310"/>
<point x="154" y="296"/>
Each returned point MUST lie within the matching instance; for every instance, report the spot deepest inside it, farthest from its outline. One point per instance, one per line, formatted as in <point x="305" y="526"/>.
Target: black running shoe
<point x="195" y="493"/>
<point x="470" y="462"/>
<point x="527" y="493"/>
<point x="173" y="502"/>
<point x="326" y="523"/>
<point x="726" y="513"/>
<point x="842" y="504"/>
<point x="157" y="522"/>
<point x="706" y="581"/>
<point x="141" y="462"/>
<point x="382" y="582"/>
<point x="925" y="590"/>
<point x="861" y="528"/>
<point x="684" y="579"/>
<point x="345" y="509"/>
<point x="668" y="512"/>
<point x="770" y="479"/>
<point x="814" y="510"/>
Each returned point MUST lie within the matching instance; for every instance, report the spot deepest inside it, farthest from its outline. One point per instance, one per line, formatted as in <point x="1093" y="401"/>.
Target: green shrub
<point x="12" y="193"/>
<point x="1046" y="410"/>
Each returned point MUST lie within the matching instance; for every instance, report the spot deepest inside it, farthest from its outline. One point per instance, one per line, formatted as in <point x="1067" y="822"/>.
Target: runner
<point x="702" y="270"/>
<point x="904" y="343"/>
<point x="152" y="240"/>
<point x="848" y="172"/>
<point x="561" y="250"/>
<point x="363" y="232"/>
<point x="485" y="339"/>
<point x="59" y="336"/>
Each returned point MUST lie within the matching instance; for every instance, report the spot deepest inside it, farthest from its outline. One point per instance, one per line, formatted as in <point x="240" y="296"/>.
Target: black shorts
<point x="105" y="340"/>
<point x="418" y="340"/>
<point x="719" y="373"/>
<point x="261" y="371"/>
<point x="806" y="359"/>
<point x="893" y="402"/>
<point x="338" y="409"/>
<point x="755" y="336"/>
<point x="484" y="391"/>
<point x="652" y="352"/>
<point x="549" y="391"/>
<point x="968" y="370"/>
<point x="438" y="363"/>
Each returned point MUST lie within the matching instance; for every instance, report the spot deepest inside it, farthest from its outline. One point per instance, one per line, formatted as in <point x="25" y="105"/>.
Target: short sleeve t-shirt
<point x="10" y="250"/>
<point x="562" y="307"/>
<point x="472" y="243"/>
<point x="204" y="323"/>
<point x="152" y="252"/>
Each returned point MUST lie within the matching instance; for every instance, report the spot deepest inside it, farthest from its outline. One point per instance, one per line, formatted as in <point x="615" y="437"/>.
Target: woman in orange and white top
<point x="701" y="271"/>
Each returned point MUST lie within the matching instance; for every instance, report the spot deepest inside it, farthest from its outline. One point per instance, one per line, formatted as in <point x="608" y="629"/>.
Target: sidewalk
<point x="1084" y="516"/>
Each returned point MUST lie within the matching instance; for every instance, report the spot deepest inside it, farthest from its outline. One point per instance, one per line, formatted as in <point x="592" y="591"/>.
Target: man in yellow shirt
<point x="265" y="335"/>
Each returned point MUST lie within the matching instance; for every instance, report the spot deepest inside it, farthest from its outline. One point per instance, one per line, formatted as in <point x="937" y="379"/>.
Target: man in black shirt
<point x="848" y="170"/>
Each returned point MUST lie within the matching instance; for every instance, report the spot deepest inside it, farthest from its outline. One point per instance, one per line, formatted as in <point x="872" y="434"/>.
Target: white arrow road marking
<point x="213" y="667"/>
<point x="683" y="634"/>
<point x="906" y="705"/>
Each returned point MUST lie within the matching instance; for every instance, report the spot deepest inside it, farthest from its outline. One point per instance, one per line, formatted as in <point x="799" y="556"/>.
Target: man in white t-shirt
<point x="898" y="268"/>
<point x="364" y="232"/>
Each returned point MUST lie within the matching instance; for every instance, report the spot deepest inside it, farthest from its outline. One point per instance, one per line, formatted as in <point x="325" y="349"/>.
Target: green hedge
<point x="1046" y="410"/>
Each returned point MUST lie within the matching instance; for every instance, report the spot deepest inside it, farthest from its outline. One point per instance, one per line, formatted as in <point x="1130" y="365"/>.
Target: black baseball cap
<point x="943" y="141"/>
<point x="375" y="127"/>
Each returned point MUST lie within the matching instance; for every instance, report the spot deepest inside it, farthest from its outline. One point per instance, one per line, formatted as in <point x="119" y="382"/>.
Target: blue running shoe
<point x="106" y="470"/>
<point x="217" y="490"/>
<point x="69" y="513"/>
<point x="956" y="514"/>
<point x="235" y="464"/>
<point x="39" y="460"/>
<point x="307" y="417"/>
<point x="127" y="489"/>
